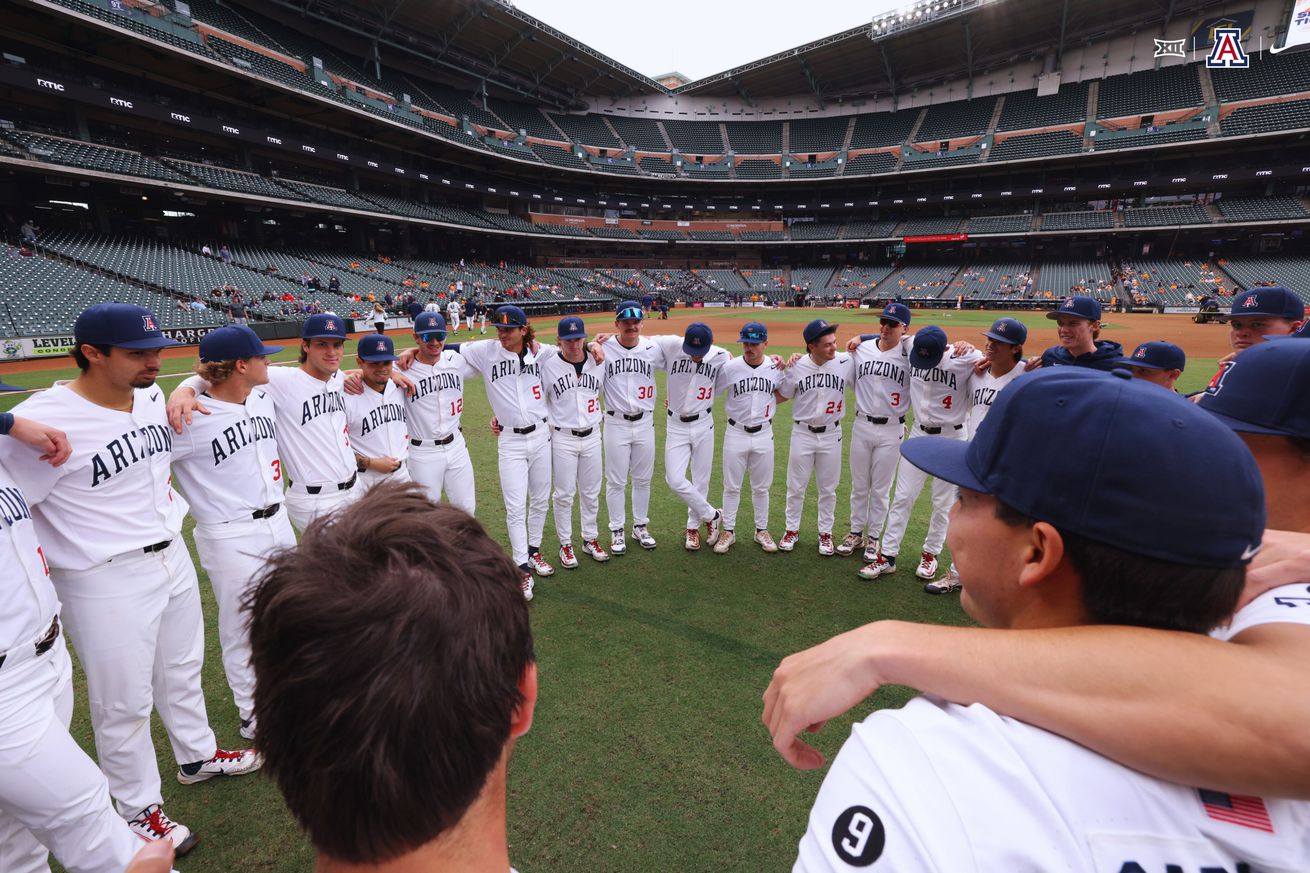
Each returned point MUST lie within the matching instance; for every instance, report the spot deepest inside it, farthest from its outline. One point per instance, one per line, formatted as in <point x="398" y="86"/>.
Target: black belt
<point x="444" y="441"/>
<point x="753" y="429"/>
<point x="577" y="433"/>
<point x="878" y="419"/>
<point x="341" y="486"/>
<point x="43" y="645"/>
<point x="524" y="430"/>
<point x="157" y="547"/>
<point x="813" y="429"/>
<point x="267" y="511"/>
<point x="626" y="416"/>
<point x="687" y="418"/>
<point x="940" y="429"/>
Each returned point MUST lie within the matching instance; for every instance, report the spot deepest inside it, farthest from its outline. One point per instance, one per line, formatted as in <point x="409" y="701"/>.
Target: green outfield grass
<point x="647" y="753"/>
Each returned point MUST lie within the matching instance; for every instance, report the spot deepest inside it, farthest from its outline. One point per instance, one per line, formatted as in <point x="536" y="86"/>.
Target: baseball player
<point x="1261" y="312"/>
<point x="131" y="602"/>
<point x="51" y="794"/>
<point x="453" y="314"/>
<point x="379" y="434"/>
<point x="311" y="421"/>
<point x="939" y="396"/>
<point x="1158" y="362"/>
<point x="749" y="386"/>
<point x="438" y="456"/>
<point x="469" y="311"/>
<point x="816" y="384"/>
<point x="629" y="432"/>
<point x="882" y="397"/>
<point x="693" y="363"/>
<point x="481" y="309"/>
<point x="1078" y="324"/>
<point x="574" y="382"/>
<point x="227" y="465"/>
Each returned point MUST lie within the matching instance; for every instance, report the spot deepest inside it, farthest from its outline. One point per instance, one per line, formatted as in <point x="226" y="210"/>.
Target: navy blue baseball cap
<point x="428" y="323"/>
<point x="5" y="386"/>
<point x="928" y="347"/>
<point x="629" y="309"/>
<point x="753" y="332"/>
<point x="233" y="343"/>
<point x="510" y="316"/>
<point x="1079" y="307"/>
<point x="572" y="328"/>
<point x="1115" y="444"/>
<point x="1265" y="389"/>
<point x="816" y="329"/>
<point x="376" y="347"/>
<point x="1008" y="330"/>
<point x="697" y="339"/>
<point x="1156" y="355"/>
<point x="1273" y="300"/>
<point x="325" y="326"/>
<point x="897" y="312"/>
<point x="122" y="325"/>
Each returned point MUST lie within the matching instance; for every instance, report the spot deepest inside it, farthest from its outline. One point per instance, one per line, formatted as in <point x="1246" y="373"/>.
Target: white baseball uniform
<point x="983" y="389"/>
<point x="52" y="796"/>
<point x="573" y="393"/>
<point x="689" y="437"/>
<point x="227" y="465"/>
<point x="438" y="455"/>
<point x="378" y="428"/>
<point x="452" y="315"/>
<point x="111" y="528"/>
<point x="819" y="402"/>
<point x="882" y="397"/>
<point x="940" y="399"/>
<point x="749" y="404"/>
<point x="519" y="404"/>
<point x="629" y="433"/>
<point x="313" y="438"/>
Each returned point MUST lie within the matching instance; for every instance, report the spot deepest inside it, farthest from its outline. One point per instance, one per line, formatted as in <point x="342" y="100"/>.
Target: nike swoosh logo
<point x="154" y="398"/>
<point x="1250" y="552"/>
<point x="1273" y="50"/>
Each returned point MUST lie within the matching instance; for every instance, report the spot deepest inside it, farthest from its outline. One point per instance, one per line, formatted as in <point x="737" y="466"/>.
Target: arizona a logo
<point x="148" y="323"/>
<point x="1227" y="51"/>
<point x="1251" y="301"/>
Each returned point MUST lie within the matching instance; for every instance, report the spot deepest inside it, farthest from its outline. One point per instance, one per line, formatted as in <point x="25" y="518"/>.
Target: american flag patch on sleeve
<point x="1238" y="809"/>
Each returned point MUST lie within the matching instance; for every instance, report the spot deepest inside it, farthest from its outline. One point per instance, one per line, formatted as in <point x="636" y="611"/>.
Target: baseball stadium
<point x="339" y="184"/>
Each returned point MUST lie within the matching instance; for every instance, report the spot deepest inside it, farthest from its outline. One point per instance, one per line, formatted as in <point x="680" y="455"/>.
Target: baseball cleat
<point x="539" y="566"/>
<point x="224" y="763"/>
<point x="871" y="550"/>
<point x="765" y="541"/>
<point x="248" y="728"/>
<point x="881" y="565"/>
<point x="927" y="566"/>
<point x="643" y="536"/>
<point x="525" y="582"/>
<point x="567" y="559"/>
<point x="788" y="541"/>
<point x="592" y="548"/>
<point x="713" y="528"/>
<point x="618" y="542"/>
<point x="693" y="540"/>
<point x="945" y="585"/>
<point x="825" y="545"/>
<point x="151" y="824"/>
<point x="726" y="539"/>
<point x="852" y="542"/>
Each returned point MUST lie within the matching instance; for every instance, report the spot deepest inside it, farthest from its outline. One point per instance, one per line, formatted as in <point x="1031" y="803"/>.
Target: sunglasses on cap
<point x="439" y="335"/>
<point x="629" y="313"/>
<point x="888" y="322"/>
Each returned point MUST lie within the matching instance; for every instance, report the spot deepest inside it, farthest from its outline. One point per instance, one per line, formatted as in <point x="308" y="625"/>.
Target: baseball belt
<point x="689" y="418"/>
<point x="267" y="511"/>
<point x="626" y="417"/>
<point x="341" y="486"/>
<point x="878" y="419"/>
<point x="812" y="429"/>
<point x="39" y="648"/>
<point x="156" y="547"/>
<point x="444" y="441"/>
<point x="577" y="433"/>
<point x="935" y="430"/>
<point x="755" y="428"/>
<point x="526" y="430"/>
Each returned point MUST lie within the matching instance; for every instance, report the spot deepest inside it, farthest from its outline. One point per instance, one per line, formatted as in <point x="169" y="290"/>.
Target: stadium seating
<point x="263" y="65"/>
<point x="871" y="164"/>
<point x="811" y="135"/>
<point x="1061" y="278"/>
<point x="1290" y="272"/>
<point x="754" y="137"/>
<point x="1149" y="91"/>
<point x="233" y="180"/>
<point x="658" y="165"/>
<point x="724" y="281"/>
<point x="916" y="160"/>
<point x="696" y="137"/>
<point x="922" y="282"/>
<point x="1261" y="208"/>
<point x="661" y="233"/>
<point x="761" y="168"/>
<point x="716" y="170"/>
<point x="92" y="157"/>
<point x="1288" y="115"/>
<point x="991" y="281"/>
<point x="876" y="129"/>
<point x="858" y="280"/>
<point x="642" y="134"/>
<point x="615" y="233"/>
<point x="812" y="279"/>
<point x="917" y="226"/>
<point x="1168" y="282"/>
<point x="814" y="230"/>
<point x="1152" y="216"/>
<point x="868" y="229"/>
<point x="999" y="224"/>
<point x="1077" y="220"/>
<point x="520" y="116"/>
<point x="525" y="151"/>
<point x="557" y="156"/>
<point x="1024" y="109"/>
<point x="761" y="235"/>
<point x="610" y="164"/>
<point x="802" y="170"/>
<point x="590" y="129"/>
<point x="1268" y="75"/>
<point x="1037" y="145"/>
<point x="1148" y="137"/>
<point x="141" y="22"/>
<point x="329" y="196"/>
<point x="711" y="235"/>
<point x="958" y="118"/>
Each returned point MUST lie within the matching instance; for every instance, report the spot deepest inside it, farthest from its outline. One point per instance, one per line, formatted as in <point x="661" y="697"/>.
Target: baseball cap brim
<point x="1009" y="341"/>
<point x="921" y="364"/>
<point x="5" y="386"/>
<point x="945" y="458"/>
<point x="1236" y="424"/>
<point x="1132" y="362"/>
<point x="574" y="335"/>
<point x="269" y="350"/>
<point x="310" y="336"/>
<point x="887" y="316"/>
<point x="1070" y="313"/>
<point x="742" y="339"/>
<point x="150" y="342"/>
<point x="377" y="358"/>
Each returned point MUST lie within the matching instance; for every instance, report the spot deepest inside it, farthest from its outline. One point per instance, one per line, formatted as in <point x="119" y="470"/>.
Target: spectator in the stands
<point x="225" y="254"/>
<point x="28" y="231"/>
<point x="198" y="305"/>
<point x="237" y="310"/>
<point x="334" y="285"/>
<point x="206" y="251"/>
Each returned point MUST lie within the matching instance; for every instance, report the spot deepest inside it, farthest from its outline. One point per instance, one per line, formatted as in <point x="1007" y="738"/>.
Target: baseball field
<point x="647" y="753"/>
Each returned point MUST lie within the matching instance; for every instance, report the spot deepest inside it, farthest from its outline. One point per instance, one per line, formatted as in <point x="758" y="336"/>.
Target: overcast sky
<point x="702" y="38"/>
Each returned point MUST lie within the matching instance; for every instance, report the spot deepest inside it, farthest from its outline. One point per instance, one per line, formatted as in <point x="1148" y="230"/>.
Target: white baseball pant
<point x="875" y="452"/>
<point x="469" y="320"/>
<point x="444" y="467"/>
<point x="52" y="796"/>
<point x="524" y="461"/>
<point x="577" y="467"/>
<point x="303" y="507"/>
<point x="234" y="554"/>
<point x="369" y="478"/>
<point x="747" y="452"/>
<point x="820" y="454"/>
<point x="629" y="449"/>
<point x="691" y="444"/>
<point x="136" y="623"/>
<point x="909" y="482"/>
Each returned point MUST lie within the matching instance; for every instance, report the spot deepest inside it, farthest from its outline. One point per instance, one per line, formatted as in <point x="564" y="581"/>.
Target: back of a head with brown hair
<point x="387" y="647"/>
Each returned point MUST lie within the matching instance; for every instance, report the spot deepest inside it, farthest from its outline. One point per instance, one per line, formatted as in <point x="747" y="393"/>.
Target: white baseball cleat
<point x="765" y="541"/>
<point x="525" y="582"/>
<point x="248" y="728"/>
<point x="788" y="541"/>
<point x="567" y="559"/>
<point x="151" y="824"/>
<point x="224" y="763"/>
<point x="927" y="566"/>
<point x="825" y="545"/>
<point x="618" y="542"/>
<point x="945" y="585"/>
<point x="539" y="565"/>
<point x="713" y="528"/>
<point x="881" y="565"/>
<point x="871" y="550"/>
<point x="592" y="548"/>
<point x="693" y="540"/>
<point x="643" y="536"/>
<point x="852" y="542"/>
<point x="726" y="539"/>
